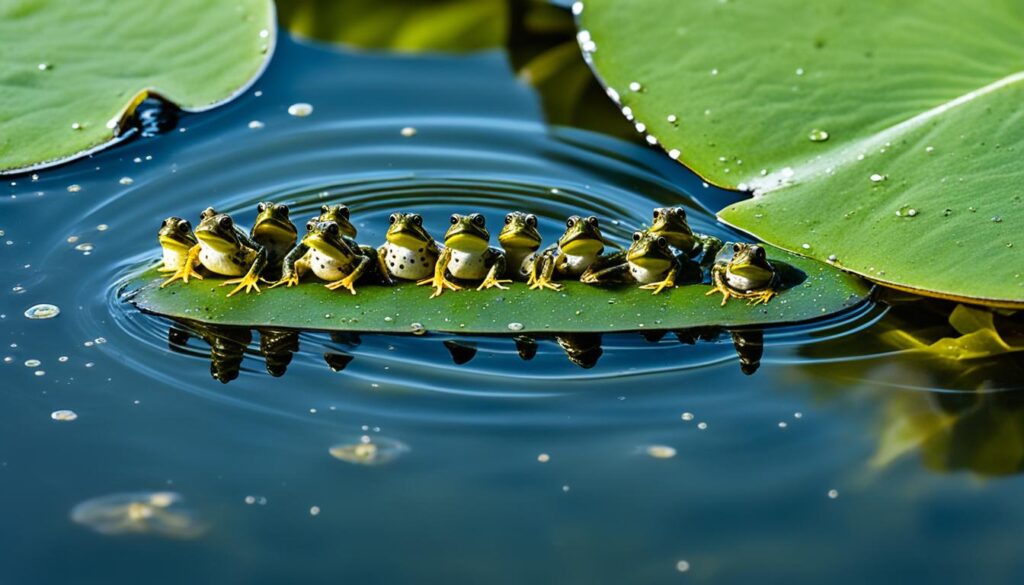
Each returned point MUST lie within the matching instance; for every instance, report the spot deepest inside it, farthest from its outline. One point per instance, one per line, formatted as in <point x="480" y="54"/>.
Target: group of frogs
<point x="272" y="252"/>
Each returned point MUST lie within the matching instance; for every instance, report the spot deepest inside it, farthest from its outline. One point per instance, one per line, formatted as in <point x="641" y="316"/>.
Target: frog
<point x="339" y="214"/>
<point x="226" y="249"/>
<point x="176" y="239"/>
<point x="326" y="252"/>
<point x="467" y="257"/>
<point x="409" y="252"/>
<point x="520" y="240"/>
<point x="274" y="231"/>
<point x="743" y="271"/>
<point x="649" y="261"/>
<point x="579" y="246"/>
<point x="671" y="223"/>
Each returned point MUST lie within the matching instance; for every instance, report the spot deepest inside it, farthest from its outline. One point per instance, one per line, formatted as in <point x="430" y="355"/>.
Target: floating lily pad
<point x="73" y="71"/>
<point x="884" y="134"/>
<point x="812" y="290"/>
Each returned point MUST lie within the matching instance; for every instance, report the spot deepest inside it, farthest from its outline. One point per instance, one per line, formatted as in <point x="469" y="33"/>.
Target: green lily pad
<point x="811" y="290"/>
<point x="884" y="135"/>
<point x="73" y="71"/>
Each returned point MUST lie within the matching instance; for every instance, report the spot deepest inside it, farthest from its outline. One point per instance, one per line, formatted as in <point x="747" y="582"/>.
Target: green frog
<point x="671" y="223"/>
<point x="743" y="271"/>
<point x="649" y="261"/>
<point x="580" y="246"/>
<point x="409" y="252"/>
<point x="327" y="253"/>
<point x="225" y="249"/>
<point x="176" y="239"/>
<point x="274" y="231"/>
<point x="340" y="215"/>
<point x="467" y="256"/>
<point x="520" y="240"/>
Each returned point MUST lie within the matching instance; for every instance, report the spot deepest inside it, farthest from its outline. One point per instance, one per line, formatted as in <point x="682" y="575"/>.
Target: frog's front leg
<point x="382" y="264"/>
<point x="293" y="268"/>
<point x="614" y="274"/>
<point x="251" y="281"/>
<point x="543" y="272"/>
<point x="440" y="279"/>
<point x="349" y="281"/>
<point x="497" y="268"/>
<point x="668" y="282"/>
<point x="718" y="285"/>
<point x="187" y="269"/>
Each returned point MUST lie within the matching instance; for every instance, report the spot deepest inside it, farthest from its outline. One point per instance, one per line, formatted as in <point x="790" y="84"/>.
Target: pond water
<point x="234" y="456"/>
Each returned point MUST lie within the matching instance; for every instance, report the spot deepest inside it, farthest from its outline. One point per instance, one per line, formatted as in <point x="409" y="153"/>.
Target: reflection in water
<point x="369" y="450"/>
<point x="159" y="513"/>
<point x="228" y="345"/>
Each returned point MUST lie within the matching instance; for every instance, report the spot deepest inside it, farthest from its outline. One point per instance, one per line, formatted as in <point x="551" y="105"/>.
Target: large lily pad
<point x="73" y="71"/>
<point x="813" y="290"/>
<point x="886" y="136"/>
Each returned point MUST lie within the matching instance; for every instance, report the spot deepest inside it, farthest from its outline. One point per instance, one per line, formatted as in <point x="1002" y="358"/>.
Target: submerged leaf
<point x="979" y="337"/>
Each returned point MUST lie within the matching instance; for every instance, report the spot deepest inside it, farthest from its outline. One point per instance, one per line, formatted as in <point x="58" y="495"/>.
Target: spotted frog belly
<point x="227" y="264"/>
<point x="408" y="263"/>
<point x="467" y="266"/>
<point x="325" y="267"/>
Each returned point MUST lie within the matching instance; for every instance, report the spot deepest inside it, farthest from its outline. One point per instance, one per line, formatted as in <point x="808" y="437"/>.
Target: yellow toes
<point x="493" y="282"/>
<point x="246" y="284"/>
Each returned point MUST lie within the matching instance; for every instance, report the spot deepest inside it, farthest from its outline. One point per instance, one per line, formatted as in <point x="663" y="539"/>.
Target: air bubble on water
<point x="369" y="451"/>
<point x="254" y="124"/>
<point x="687" y="416"/>
<point x="84" y="247"/>
<point x="661" y="451"/>
<point x="300" y="110"/>
<point x="817" y="135"/>
<point x="702" y="425"/>
<point x="74" y="188"/>
<point x="314" y="510"/>
<point x="682" y="566"/>
<point x="126" y="180"/>
<point x="543" y="458"/>
<point x="833" y="494"/>
<point x="408" y="132"/>
<point x="42" y="311"/>
<point x="64" y="415"/>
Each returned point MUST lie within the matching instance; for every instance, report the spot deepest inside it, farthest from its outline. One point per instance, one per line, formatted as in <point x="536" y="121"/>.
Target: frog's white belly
<point x="325" y="267"/>
<point x="467" y="265"/>
<point x="230" y="264"/>
<point x="519" y="263"/>
<point x="408" y="263"/>
<point x="174" y="258"/>
<point x="738" y="282"/>
<point x="644" y="275"/>
<point x="576" y="265"/>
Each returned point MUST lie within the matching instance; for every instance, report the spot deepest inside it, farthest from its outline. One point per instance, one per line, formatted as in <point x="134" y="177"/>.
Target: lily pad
<point x="73" y="71"/>
<point x="812" y="290"/>
<point x="884" y="135"/>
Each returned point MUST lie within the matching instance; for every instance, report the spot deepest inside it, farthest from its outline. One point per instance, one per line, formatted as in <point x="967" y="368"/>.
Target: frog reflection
<point x="227" y="345"/>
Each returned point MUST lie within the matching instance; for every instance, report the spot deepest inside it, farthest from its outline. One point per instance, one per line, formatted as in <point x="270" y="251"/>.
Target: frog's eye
<point x="184" y="227"/>
<point x="478" y="220"/>
<point x="570" y="222"/>
<point x="455" y="218"/>
<point x="592" y="221"/>
<point x="681" y="212"/>
<point x="662" y="243"/>
<point x="508" y="219"/>
<point x="310" y="224"/>
<point x="325" y="208"/>
<point x="657" y="213"/>
<point x="261" y="207"/>
<point x="281" y="208"/>
<point x="417" y="219"/>
<point x="637" y="236"/>
<point x="343" y="210"/>
<point x="225" y="222"/>
<point x="735" y="247"/>
<point x="393" y="218"/>
<point x="332" y="228"/>
<point x="531" y="220"/>
<point x="759" y="252"/>
<point x="207" y="213"/>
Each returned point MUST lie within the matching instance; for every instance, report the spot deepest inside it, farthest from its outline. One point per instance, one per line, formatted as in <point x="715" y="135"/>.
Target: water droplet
<point x="264" y="33"/>
<point x="577" y="8"/>
<point x="543" y="457"/>
<point x="635" y="86"/>
<point x="877" y="178"/>
<point x="805" y="246"/>
<point x="672" y="118"/>
<point x="255" y="125"/>
<point x="408" y="131"/>
<point x="84" y="247"/>
<point x="42" y="311"/>
<point x="651" y="140"/>
<point x="417" y="328"/>
<point x="377" y="451"/>
<point x="661" y="451"/>
<point x="74" y="188"/>
<point x="833" y="494"/>
<point x="906" y="211"/>
<point x="76" y="126"/>
<point x="32" y="363"/>
<point x="714" y="72"/>
<point x="799" y="70"/>
<point x="64" y="415"/>
<point x="997" y="219"/>
<point x="783" y="424"/>
<point x="300" y="110"/>
<point x="640" y="127"/>
<point x="314" y="511"/>
<point x="126" y="180"/>
<point x="832" y="258"/>
<point x="45" y="66"/>
<point x="674" y="153"/>
<point x="515" y="326"/>
<point x="682" y="566"/>
<point x="817" y="135"/>
<point x="929" y="149"/>
<point x="687" y="416"/>
<point x="702" y="425"/>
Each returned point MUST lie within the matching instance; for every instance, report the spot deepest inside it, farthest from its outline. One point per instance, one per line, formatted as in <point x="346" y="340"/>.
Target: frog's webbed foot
<point x="187" y="270"/>
<point x="287" y="281"/>
<point x="657" y="287"/>
<point x="440" y="283"/>
<point x="247" y="284"/>
<point x="492" y="282"/>
<point x="543" y="282"/>
<point x="718" y="288"/>
<point x="762" y="297"/>
<point x="348" y="282"/>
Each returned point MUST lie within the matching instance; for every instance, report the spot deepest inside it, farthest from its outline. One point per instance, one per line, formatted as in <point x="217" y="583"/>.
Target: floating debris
<point x="314" y="511"/>
<point x="682" y="566"/>
<point x="783" y="424"/>
<point x="126" y="180"/>
<point x="369" y="451"/>
<point x="543" y="457"/>
<point x="817" y="135"/>
<point x="408" y="131"/>
<point x="102" y="227"/>
<point x="833" y="494"/>
<point x="661" y="451"/>
<point x="255" y="125"/>
<point x="64" y="415"/>
<point x="32" y="363"/>
<point x="157" y="513"/>
<point x="42" y="311"/>
<point x="300" y="110"/>
<point x="84" y="247"/>
<point x="687" y="416"/>
<point x="702" y="426"/>
<point x="74" y="188"/>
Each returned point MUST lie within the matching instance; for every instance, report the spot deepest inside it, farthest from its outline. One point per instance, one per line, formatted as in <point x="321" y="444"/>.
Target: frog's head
<point x="582" y="236"/>
<point x="406" y="230"/>
<point x="467" y="233"/>
<point x="217" y="230"/>
<point x="272" y="222"/>
<point x="650" y="251"/>
<point x="751" y="262"/>
<point x="176" y="234"/>
<point x="671" y="223"/>
<point x="520" y="231"/>
<point x="326" y="237"/>
<point x="340" y="215"/>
